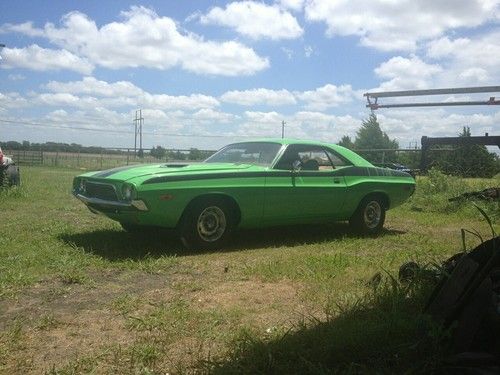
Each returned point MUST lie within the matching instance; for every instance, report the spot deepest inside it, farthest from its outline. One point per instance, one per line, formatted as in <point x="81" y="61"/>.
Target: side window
<point x="312" y="158"/>
<point x="315" y="160"/>
<point x="337" y="160"/>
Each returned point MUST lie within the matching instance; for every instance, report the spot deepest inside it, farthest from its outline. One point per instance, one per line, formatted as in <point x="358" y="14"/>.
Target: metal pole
<point x="283" y="129"/>
<point x="141" y="121"/>
<point x="135" y="134"/>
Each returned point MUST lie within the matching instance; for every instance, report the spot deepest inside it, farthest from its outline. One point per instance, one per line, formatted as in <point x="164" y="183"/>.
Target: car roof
<point x="352" y="156"/>
<point x="288" y="141"/>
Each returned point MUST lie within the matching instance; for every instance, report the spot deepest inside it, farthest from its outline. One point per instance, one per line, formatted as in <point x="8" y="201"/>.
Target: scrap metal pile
<point x="466" y="304"/>
<point x="490" y="194"/>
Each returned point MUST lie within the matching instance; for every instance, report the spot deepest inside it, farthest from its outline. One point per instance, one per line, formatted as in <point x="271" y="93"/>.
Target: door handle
<point x="336" y="180"/>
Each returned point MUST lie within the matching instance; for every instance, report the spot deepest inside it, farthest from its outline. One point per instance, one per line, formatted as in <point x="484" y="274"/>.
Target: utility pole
<point x="283" y="129"/>
<point x="138" y="122"/>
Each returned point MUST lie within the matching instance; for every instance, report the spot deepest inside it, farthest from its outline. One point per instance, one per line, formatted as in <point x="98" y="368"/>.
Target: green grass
<point x="79" y="295"/>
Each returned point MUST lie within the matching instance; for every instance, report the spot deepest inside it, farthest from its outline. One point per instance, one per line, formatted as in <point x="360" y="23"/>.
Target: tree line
<point x="466" y="160"/>
<point x="54" y="147"/>
<point x="157" y="152"/>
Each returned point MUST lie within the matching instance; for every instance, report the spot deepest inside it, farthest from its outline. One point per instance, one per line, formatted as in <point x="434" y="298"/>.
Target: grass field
<point x="79" y="295"/>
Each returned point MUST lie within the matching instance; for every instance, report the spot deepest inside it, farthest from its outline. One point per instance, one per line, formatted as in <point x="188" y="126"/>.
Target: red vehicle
<point x="9" y="171"/>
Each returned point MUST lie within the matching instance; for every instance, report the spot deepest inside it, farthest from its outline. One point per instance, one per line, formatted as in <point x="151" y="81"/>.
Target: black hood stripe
<point x="110" y="172"/>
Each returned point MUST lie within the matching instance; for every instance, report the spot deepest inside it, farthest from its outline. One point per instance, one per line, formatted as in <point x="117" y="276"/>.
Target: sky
<point x="208" y="73"/>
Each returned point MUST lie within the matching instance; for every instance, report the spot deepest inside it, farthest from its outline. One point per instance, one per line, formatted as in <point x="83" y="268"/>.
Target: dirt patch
<point x="60" y="322"/>
<point x="264" y="303"/>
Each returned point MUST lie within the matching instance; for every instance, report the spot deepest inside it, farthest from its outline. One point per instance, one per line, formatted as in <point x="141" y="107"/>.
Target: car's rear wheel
<point x="206" y="224"/>
<point x="369" y="218"/>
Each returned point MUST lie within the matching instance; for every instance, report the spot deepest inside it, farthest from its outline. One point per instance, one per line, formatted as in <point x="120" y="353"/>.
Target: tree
<point x="158" y="152"/>
<point x="468" y="160"/>
<point x="195" y="154"/>
<point x="346" y="142"/>
<point x="371" y="136"/>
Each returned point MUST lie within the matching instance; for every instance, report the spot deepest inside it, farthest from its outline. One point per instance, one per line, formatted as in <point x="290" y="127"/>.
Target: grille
<point x="101" y="191"/>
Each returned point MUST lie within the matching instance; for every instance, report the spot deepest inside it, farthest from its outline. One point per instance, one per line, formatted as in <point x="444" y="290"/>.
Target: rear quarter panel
<point x="396" y="188"/>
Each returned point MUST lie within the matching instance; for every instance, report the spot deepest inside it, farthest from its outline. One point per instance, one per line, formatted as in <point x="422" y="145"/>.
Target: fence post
<point x="383" y="156"/>
<point x="101" y="158"/>
<point x="57" y="158"/>
<point x="127" y="154"/>
<point x="78" y="159"/>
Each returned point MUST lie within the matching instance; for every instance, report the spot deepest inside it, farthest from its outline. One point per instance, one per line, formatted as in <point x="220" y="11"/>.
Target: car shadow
<point x="116" y="245"/>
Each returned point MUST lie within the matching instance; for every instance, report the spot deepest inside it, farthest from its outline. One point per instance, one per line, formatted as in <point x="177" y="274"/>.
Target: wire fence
<point x="110" y="158"/>
<point x="107" y="158"/>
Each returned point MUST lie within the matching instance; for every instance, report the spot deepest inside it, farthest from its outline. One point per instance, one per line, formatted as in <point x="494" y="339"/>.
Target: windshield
<point x="261" y="153"/>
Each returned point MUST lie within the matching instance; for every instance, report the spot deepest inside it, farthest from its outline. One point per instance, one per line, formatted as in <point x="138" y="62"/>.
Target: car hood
<point x="141" y="172"/>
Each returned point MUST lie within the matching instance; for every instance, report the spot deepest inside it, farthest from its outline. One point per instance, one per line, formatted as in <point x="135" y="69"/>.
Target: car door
<point x="314" y="191"/>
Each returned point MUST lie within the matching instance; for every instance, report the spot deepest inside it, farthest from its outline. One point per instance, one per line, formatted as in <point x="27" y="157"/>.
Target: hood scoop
<point x="174" y="165"/>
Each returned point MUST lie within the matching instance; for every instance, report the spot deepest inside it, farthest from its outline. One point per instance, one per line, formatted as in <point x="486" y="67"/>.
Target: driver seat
<point x="311" y="165"/>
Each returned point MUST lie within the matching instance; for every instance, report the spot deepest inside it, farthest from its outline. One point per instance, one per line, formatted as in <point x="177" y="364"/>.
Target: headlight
<point x="81" y="186"/>
<point x="127" y="192"/>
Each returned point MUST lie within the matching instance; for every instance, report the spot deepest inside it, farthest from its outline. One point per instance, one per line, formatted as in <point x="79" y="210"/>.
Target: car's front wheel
<point x="369" y="218"/>
<point x="207" y="224"/>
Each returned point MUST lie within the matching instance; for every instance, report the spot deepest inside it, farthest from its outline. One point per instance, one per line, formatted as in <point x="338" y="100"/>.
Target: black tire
<point x="369" y="217"/>
<point x="206" y="224"/>
<point x="3" y="176"/>
<point x="10" y="176"/>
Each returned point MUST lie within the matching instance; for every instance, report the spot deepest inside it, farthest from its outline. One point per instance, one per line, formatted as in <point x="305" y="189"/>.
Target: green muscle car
<point x="248" y="185"/>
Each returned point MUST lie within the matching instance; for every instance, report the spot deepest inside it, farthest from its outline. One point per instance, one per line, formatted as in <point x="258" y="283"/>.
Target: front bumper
<point x="97" y="204"/>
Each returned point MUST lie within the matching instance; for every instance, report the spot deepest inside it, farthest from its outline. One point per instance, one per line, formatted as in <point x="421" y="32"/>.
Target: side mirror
<point x="296" y="165"/>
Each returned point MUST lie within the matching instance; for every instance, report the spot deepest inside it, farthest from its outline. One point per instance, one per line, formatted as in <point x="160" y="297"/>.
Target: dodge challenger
<point x="253" y="184"/>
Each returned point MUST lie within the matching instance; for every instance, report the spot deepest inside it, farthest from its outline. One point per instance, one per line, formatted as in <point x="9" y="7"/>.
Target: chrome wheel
<point x="211" y="224"/>
<point x="372" y="214"/>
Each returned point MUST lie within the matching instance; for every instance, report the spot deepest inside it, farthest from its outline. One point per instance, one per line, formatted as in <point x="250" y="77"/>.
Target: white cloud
<point x="42" y="59"/>
<point x="90" y="85"/>
<point x="259" y="96"/>
<point x="120" y="94"/>
<point x="302" y="125"/>
<point x="16" y="77"/>
<point x="468" y="61"/>
<point x="399" y="25"/>
<point x="190" y="102"/>
<point x="64" y="99"/>
<point x="25" y="28"/>
<point x="261" y="124"/>
<point x="446" y="62"/>
<point x="435" y="123"/>
<point x="327" y="96"/>
<point x="295" y="5"/>
<point x="12" y="100"/>
<point x="308" y="51"/>
<point x="403" y="73"/>
<point x="255" y="20"/>
<point x="209" y="116"/>
<point x="144" y="39"/>
<point x="264" y="117"/>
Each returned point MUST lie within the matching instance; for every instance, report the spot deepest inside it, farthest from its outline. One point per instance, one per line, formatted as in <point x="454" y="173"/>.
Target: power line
<point x="37" y="124"/>
<point x="27" y="123"/>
